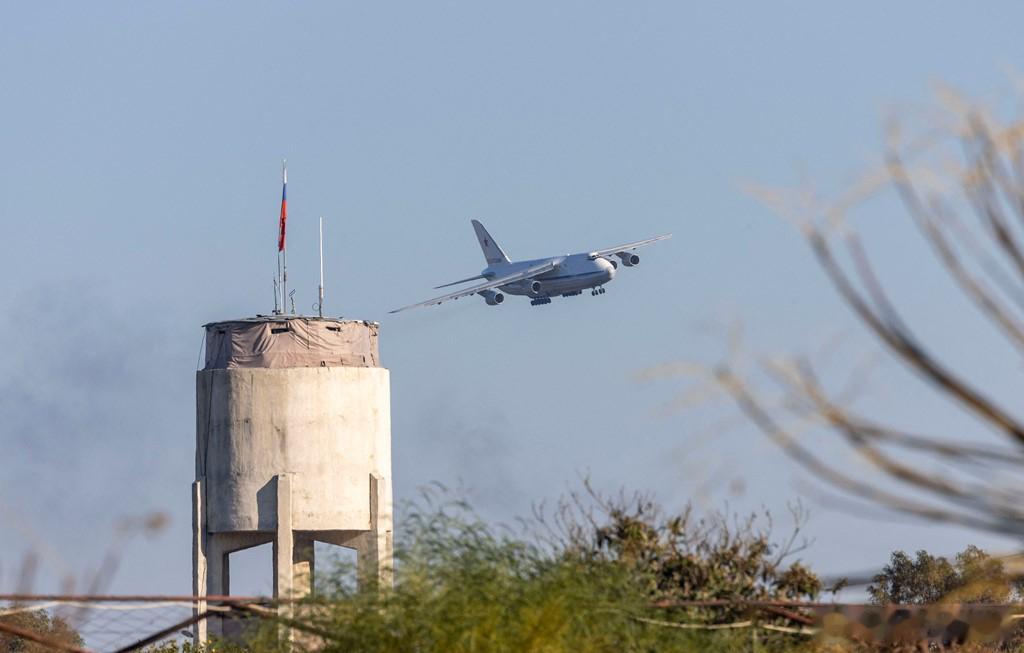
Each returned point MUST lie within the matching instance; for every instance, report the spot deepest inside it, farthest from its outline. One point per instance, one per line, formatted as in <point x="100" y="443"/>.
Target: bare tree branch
<point x="815" y="465"/>
<point x="973" y="221"/>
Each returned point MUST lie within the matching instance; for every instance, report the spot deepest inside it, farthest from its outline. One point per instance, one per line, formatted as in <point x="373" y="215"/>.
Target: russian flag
<point x="284" y="209"/>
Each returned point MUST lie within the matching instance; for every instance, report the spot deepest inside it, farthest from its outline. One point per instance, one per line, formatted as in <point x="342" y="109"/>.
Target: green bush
<point x="585" y="581"/>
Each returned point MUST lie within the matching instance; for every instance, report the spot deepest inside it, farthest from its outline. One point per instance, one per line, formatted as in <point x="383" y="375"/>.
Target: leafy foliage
<point x="584" y="580"/>
<point x="684" y="557"/>
<point x="591" y="577"/>
<point x="40" y="623"/>
<point x="972" y="577"/>
<point x="464" y="586"/>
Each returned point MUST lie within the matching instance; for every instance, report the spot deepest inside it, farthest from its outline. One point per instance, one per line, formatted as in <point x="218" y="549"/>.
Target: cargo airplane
<point x="541" y="279"/>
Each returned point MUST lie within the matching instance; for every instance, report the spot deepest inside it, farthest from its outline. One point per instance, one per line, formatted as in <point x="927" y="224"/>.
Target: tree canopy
<point x="41" y="623"/>
<point x="973" y="576"/>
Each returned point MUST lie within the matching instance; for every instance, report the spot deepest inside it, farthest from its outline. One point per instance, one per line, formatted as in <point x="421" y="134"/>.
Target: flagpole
<point x="283" y="250"/>
<point x="277" y="286"/>
<point x="320" y="303"/>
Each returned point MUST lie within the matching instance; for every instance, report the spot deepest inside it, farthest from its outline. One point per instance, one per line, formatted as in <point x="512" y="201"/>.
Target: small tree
<point x="972" y="577"/>
<point x="683" y="557"/>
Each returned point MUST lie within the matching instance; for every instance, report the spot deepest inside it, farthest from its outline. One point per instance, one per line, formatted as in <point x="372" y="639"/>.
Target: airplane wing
<point x="628" y="246"/>
<point x="493" y="283"/>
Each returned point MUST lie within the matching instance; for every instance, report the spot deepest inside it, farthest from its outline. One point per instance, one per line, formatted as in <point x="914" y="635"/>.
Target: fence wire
<point x="104" y="624"/>
<point x="117" y="624"/>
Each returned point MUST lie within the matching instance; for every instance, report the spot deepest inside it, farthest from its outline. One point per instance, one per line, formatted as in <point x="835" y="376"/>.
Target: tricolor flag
<point x="284" y="209"/>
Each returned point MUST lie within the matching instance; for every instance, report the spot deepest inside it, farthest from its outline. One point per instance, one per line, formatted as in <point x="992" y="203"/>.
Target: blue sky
<point x="139" y="187"/>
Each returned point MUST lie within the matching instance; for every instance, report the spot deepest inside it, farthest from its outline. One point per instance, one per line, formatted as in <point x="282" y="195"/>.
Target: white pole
<point x="284" y="276"/>
<point x="320" y="303"/>
<point x="277" y="287"/>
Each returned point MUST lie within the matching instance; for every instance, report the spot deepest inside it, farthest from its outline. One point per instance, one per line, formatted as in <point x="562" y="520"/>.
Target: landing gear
<point x="539" y="301"/>
<point x="597" y="291"/>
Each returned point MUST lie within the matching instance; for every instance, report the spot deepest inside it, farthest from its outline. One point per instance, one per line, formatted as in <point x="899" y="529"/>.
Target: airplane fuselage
<point x="540" y="279"/>
<point x="573" y="273"/>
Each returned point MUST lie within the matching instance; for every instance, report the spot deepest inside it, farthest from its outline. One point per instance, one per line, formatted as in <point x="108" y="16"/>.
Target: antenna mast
<point x="320" y="302"/>
<point x="277" y="298"/>
<point x="284" y="242"/>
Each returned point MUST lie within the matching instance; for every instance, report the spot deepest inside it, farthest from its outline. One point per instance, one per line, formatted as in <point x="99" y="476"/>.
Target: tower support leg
<point x="218" y="579"/>
<point x="284" y="543"/>
<point x="199" y="571"/>
<point x="284" y="555"/>
<point x="374" y="548"/>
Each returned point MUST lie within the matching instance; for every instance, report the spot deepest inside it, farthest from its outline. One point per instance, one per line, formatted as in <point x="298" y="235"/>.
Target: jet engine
<point x="628" y="259"/>
<point x="493" y="297"/>
<point x="532" y="286"/>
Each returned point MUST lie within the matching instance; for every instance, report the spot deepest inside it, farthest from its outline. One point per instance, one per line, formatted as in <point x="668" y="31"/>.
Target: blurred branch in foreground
<point x="962" y="186"/>
<point x="58" y="625"/>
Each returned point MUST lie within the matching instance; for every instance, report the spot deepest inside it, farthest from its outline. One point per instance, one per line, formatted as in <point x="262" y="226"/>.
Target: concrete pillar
<point x="284" y="553"/>
<point x="374" y="547"/>
<point x="218" y="578"/>
<point x="219" y="547"/>
<point x="293" y="552"/>
<point x="284" y="586"/>
<point x="199" y="570"/>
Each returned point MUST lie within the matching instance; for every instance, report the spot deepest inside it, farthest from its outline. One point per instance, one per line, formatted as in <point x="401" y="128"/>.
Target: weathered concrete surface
<point x="290" y="455"/>
<point x="329" y="427"/>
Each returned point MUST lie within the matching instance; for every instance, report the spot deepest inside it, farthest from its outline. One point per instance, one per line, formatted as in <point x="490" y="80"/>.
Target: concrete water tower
<point x="293" y="446"/>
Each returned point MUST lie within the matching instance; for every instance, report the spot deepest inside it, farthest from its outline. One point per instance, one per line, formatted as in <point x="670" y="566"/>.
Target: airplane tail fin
<point x="492" y="252"/>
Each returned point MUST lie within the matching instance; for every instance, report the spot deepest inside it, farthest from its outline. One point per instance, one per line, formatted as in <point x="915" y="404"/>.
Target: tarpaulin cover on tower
<point x="282" y="341"/>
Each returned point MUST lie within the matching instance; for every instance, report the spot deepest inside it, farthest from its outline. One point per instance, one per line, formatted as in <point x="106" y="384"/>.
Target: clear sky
<point x="140" y="155"/>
